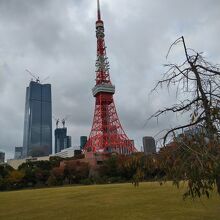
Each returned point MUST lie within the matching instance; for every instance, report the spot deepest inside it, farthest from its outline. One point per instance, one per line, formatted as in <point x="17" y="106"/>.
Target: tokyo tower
<point x="107" y="134"/>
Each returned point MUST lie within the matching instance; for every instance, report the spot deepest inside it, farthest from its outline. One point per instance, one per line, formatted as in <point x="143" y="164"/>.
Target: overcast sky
<point x="56" y="38"/>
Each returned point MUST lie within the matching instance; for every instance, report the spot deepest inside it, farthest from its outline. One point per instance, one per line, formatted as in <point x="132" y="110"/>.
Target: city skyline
<point x="59" y="40"/>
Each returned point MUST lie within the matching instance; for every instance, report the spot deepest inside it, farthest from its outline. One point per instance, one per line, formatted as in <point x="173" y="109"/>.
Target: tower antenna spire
<point x="99" y="11"/>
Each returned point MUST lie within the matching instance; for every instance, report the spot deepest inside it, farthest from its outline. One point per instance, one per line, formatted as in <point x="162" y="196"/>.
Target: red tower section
<point x="107" y="134"/>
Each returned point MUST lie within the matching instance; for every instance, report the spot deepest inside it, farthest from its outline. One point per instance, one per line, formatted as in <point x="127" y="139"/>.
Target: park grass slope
<point x="116" y="201"/>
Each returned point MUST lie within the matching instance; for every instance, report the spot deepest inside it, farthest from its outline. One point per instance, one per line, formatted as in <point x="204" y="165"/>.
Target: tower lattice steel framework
<point x="107" y="134"/>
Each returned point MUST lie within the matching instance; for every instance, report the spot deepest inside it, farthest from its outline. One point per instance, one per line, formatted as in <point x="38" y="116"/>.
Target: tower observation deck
<point x="107" y="134"/>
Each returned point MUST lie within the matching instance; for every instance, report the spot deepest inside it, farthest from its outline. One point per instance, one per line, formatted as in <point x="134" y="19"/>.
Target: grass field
<point x="119" y="201"/>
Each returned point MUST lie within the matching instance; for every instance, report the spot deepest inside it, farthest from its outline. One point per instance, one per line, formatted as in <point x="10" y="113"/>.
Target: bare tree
<point x="197" y="82"/>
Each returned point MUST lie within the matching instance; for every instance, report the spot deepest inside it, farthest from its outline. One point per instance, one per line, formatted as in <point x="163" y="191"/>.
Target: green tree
<point x="5" y="171"/>
<point x="36" y="173"/>
<point x="15" y="179"/>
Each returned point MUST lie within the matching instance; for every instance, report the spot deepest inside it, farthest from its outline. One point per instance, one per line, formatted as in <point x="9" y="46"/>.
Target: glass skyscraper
<point x="37" y="140"/>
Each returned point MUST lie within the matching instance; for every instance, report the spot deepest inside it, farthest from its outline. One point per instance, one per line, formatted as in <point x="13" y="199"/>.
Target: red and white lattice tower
<point x="107" y="134"/>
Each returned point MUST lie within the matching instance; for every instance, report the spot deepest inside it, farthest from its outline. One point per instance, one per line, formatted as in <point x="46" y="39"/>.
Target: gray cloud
<point x="57" y="38"/>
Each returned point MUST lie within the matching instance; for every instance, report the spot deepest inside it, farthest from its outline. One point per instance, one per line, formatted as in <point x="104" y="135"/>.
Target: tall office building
<point x="2" y="157"/>
<point x="62" y="141"/>
<point x="149" y="145"/>
<point x="37" y="140"/>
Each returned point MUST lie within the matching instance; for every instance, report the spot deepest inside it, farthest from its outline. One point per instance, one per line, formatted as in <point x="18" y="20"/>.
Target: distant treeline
<point x="58" y="172"/>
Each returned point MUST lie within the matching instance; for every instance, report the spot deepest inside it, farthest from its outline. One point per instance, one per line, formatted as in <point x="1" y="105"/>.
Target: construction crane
<point x="57" y="120"/>
<point x="42" y="81"/>
<point x="64" y="120"/>
<point x="37" y="78"/>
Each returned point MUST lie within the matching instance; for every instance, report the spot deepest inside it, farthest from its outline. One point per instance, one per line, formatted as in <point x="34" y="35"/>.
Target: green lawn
<point x="119" y="201"/>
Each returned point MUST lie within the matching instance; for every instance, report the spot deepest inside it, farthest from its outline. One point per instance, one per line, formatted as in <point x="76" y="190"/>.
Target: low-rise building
<point x="65" y="153"/>
<point x="16" y="163"/>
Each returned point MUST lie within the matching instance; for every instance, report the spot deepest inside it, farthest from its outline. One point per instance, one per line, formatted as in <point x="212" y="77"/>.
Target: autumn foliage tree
<point x="196" y="156"/>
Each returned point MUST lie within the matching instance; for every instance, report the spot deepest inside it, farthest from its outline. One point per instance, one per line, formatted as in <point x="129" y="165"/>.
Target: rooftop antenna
<point x="37" y="78"/>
